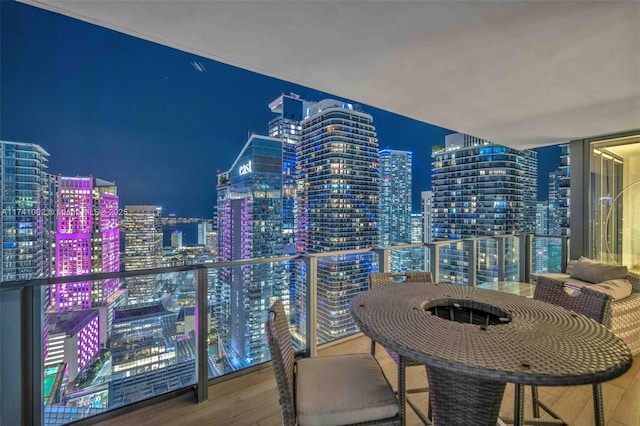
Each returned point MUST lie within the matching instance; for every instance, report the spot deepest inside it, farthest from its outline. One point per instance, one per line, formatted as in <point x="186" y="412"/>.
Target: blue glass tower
<point x="395" y="197"/>
<point x="250" y="226"/>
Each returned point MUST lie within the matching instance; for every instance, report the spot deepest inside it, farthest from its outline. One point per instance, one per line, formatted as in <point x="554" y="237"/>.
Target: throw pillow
<point x="595" y="272"/>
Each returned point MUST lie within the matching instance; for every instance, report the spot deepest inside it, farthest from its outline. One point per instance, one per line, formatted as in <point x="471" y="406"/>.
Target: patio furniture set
<point x="471" y="341"/>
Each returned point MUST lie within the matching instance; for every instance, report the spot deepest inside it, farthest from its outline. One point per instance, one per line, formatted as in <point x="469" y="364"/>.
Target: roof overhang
<point x="519" y="73"/>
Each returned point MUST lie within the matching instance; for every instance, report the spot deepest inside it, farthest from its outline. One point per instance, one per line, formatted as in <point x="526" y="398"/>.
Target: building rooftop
<point x="70" y="322"/>
<point x="139" y="312"/>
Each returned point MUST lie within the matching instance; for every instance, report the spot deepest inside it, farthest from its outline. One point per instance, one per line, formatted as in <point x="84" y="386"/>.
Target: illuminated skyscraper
<point x="338" y="205"/>
<point x="204" y="231"/>
<point x="87" y="240"/>
<point x="417" y="228"/>
<point x="143" y="249"/>
<point x="250" y="226"/>
<point x="395" y="197"/>
<point x="27" y="201"/>
<point x="27" y="211"/>
<point x="426" y="206"/>
<point x="286" y="126"/>
<point x="176" y="239"/>
<point x="142" y="237"/>
<point x="290" y="110"/>
<point x="480" y="189"/>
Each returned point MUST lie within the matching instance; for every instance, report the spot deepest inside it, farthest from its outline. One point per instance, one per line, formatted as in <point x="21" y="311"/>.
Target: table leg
<point x="402" y="386"/>
<point x="458" y="399"/>
<point x="598" y="410"/>
<point x="518" y="405"/>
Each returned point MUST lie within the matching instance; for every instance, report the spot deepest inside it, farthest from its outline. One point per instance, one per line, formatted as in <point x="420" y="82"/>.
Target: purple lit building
<point x="74" y="339"/>
<point x="87" y="241"/>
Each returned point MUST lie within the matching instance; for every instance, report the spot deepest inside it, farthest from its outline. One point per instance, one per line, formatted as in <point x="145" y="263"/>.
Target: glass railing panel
<point x="408" y="259"/>
<point x="511" y="258"/>
<point x="487" y="261"/>
<point x="239" y="298"/>
<point x="454" y="263"/>
<point x="114" y="342"/>
<point x="340" y="279"/>
<point x="547" y="254"/>
<point x="10" y="355"/>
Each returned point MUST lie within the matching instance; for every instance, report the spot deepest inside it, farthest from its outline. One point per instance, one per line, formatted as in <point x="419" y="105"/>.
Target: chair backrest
<point x="282" y="356"/>
<point x="386" y="278"/>
<point x="590" y="303"/>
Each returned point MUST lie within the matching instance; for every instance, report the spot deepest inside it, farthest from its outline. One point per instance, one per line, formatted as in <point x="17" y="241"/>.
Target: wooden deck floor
<point x="252" y="400"/>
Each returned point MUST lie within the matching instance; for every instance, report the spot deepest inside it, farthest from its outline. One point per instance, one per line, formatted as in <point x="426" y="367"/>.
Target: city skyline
<point x="161" y="123"/>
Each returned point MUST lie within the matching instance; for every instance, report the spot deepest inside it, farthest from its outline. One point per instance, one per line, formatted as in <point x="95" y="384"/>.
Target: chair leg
<point x="534" y="401"/>
<point x="598" y="410"/>
<point x="402" y="386"/>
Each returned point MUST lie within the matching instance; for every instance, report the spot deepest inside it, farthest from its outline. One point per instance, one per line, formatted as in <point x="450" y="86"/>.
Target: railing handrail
<point x="14" y="285"/>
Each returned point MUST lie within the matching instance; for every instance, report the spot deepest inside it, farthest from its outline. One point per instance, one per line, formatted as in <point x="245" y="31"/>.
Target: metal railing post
<point x="202" y="333"/>
<point x="472" y="248"/>
<point x="311" y="297"/>
<point x="564" y="253"/>
<point x="434" y="261"/>
<point x="526" y="253"/>
<point x="384" y="263"/>
<point x="501" y="257"/>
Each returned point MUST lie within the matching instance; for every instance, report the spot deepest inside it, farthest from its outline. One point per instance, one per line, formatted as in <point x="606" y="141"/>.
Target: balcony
<point x="253" y="398"/>
<point x="153" y="343"/>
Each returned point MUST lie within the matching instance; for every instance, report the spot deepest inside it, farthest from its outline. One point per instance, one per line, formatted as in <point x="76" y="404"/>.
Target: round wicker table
<point x="473" y="341"/>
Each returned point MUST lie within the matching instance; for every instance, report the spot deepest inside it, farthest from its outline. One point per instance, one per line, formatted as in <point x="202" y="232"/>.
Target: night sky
<point x="159" y="122"/>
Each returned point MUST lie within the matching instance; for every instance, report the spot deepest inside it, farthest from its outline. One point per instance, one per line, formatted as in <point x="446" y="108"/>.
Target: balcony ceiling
<point x="519" y="73"/>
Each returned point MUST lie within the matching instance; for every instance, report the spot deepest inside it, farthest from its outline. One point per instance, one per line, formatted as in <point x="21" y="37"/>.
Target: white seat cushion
<point x="617" y="289"/>
<point x="341" y="390"/>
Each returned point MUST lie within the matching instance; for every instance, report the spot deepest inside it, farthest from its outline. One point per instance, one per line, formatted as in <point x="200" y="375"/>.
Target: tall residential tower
<point x="395" y="197"/>
<point x="27" y="211"/>
<point x="338" y="205"/>
<point x="481" y="189"/>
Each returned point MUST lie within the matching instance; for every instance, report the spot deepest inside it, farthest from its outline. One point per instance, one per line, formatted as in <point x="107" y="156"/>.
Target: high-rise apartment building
<point x="529" y="159"/>
<point x="417" y="230"/>
<point x="554" y="203"/>
<point x="541" y="245"/>
<point x="176" y="239"/>
<point x="480" y="189"/>
<point x="290" y="110"/>
<point x="338" y="205"/>
<point x="204" y="233"/>
<point x="143" y="249"/>
<point x="250" y="226"/>
<point x="426" y="207"/>
<point x="395" y="197"/>
<point x="87" y="240"/>
<point x="142" y="237"/>
<point x="564" y="198"/>
<point x="27" y="204"/>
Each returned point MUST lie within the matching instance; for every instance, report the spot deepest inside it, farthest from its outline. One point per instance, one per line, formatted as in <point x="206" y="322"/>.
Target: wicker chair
<point x="625" y="313"/>
<point x="387" y="278"/>
<point x="336" y="390"/>
<point x="590" y="303"/>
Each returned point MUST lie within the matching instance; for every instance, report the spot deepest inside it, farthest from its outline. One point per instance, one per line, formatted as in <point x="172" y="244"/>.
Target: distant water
<point x="189" y="233"/>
